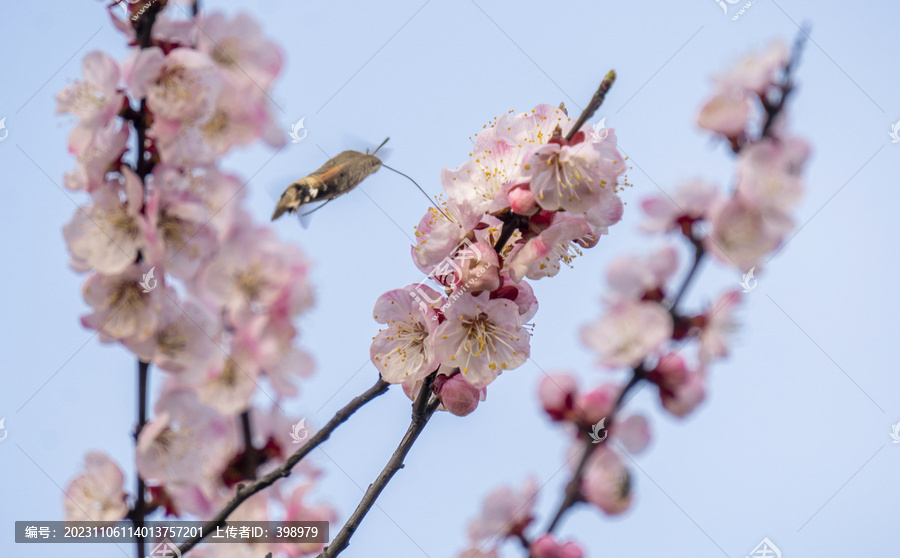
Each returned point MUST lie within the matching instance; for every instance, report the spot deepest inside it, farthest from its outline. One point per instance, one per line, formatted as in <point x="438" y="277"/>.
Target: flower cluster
<point x="532" y="194"/>
<point x="179" y="273"/>
<point x="643" y="327"/>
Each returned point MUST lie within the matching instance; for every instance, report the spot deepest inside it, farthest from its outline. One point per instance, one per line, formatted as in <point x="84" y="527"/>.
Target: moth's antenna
<point x="424" y="193"/>
<point x="382" y="145"/>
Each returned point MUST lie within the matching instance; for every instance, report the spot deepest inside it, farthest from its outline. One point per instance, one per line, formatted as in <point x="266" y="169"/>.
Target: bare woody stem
<point x="573" y="489"/>
<point x="244" y="492"/>
<point x="594" y="104"/>
<point x="140" y="505"/>
<point x="423" y="408"/>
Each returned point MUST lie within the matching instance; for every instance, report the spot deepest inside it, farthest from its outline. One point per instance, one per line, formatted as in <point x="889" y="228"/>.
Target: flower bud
<point x="557" y="394"/>
<point x="521" y="200"/>
<point x="458" y="396"/>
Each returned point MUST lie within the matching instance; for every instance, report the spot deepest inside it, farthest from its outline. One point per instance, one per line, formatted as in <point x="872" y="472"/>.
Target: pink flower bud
<point x="522" y="201"/>
<point x="547" y="547"/>
<point x="596" y="404"/>
<point x="557" y="394"/>
<point x="480" y="269"/>
<point x="458" y="396"/>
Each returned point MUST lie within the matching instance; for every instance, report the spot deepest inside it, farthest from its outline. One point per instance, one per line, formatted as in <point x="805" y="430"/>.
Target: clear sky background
<point x="793" y="442"/>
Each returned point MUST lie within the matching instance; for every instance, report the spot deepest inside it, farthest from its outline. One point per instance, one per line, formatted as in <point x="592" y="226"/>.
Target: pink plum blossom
<point x="691" y="202"/>
<point x="96" y="494"/>
<point x="743" y="233"/>
<point x="439" y="234"/>
<point x="727" y="113"/>
<point x="297" y="509"/>
<point x="681" y="388"/>
<point x="177" y="234"/>
<point x="96" y="99"/>
<point x="183" y="84"/>
<point x="542" y="255"/>
<point x="632" y="277"/>
<point x="606" y="483"/>
<point x="557" y="394"/>
<point x="505" y="512"/>
<point x="239" y="49"/>
<point x="628" y="332"/>
<point x="404" y="349"/>
<point x="755" y="73"/>
<point x="98" y="152"/>
<point x="575" y="175"/>
<point x="121" y="308"/>
<point x="185" y="443"/>
<point x="106" y="235"/>
<point x="769" y="173"/>
<point x="482" y="337"/>
<point x="184" y="341"/>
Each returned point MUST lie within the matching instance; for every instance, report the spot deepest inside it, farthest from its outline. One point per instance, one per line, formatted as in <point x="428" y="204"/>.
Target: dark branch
<point x="423" y="408"/>
<point x="246" y="491"/>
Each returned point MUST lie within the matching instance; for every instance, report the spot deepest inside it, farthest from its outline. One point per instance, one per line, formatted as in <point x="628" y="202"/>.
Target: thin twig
<point x="699" y="251"/>
<point x="246" y="491"/>
<point x="573" y="489"/>
<point x="140" y="506"/>
<point x="423" y="408"/>
<point x="595" y="103"/>
<point x="251" y="457"/>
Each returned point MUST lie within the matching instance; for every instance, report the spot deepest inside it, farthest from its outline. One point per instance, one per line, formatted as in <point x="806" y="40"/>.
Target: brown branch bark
<point x="246" y="491"/>
<point x="423" y="409"/>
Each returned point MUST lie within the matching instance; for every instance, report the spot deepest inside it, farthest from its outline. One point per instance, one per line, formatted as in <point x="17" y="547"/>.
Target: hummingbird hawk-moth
<point x="339" y="175"/>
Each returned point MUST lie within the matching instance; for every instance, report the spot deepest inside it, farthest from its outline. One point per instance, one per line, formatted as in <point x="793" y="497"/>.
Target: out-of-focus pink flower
<point x="606" y="482"/>
<point x="458" y="396"/>
<point x="176" y="234"/>
<point x="253" y="271"/>
<point x="769" y="173"/>
<point x="557" y="393"/>
<point x="95" y="100"/>
<point x="690" y="203"/>
<point x="719" y="327"/>
<point x="628" y="332"/>
<point x="758" y="71"/>
<point x="505" y="512"/>
<point x="592" y="406"/>
<point x="183" y="342"/>
<point x="633" y="431"/>
<point x="681" y="388"/>
<point x="106" y="236"/>
<point x="297" y="509"/>
<point x="632" y="277"/>
<point x="121" y="307"/>
<point x="185" y="443"/>
<point x="481" y="337"/>
<point x="541" y="255"/>
<point x="238" y="47"/>
<point x="98" y="151"/>
<point x="183" y="84"/>
<point x="574" y="176"/>
<point x="743" y="233"/>
<point x="404" y="349"/>
<point x="727" y="113"/>
<point x="96" y="494"/>
<point x="547" y="547"/>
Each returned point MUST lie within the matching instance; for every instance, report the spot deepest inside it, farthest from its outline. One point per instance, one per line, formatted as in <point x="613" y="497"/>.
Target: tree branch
<point x="423" y="408"/>
<point x="140" y="505"/>
<point x="246" y="491"/>
<point x="594" y="104"/>
<point x="573" y="488"/>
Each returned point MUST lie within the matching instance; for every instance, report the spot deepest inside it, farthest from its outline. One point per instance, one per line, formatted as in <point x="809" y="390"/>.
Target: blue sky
<point x="793" y="442"/>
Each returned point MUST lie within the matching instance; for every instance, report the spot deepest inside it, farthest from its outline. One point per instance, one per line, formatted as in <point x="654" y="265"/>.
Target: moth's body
<point x="336" y="177"/>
